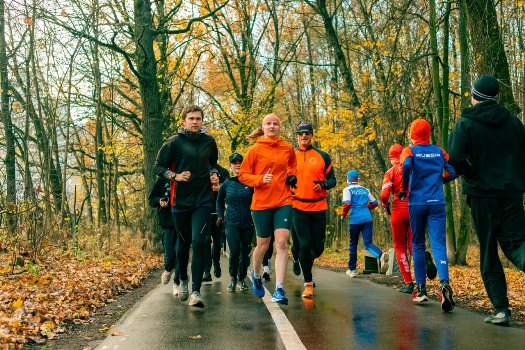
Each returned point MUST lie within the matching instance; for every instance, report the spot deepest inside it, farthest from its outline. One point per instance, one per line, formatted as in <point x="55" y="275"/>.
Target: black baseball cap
<point x="234" y="157"/>
<point x="304" y="127"/>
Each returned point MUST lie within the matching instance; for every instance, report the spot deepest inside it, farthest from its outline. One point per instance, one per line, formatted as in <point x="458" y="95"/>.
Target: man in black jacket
<point x="487" y="147"/>
<point x="160" y="198"/>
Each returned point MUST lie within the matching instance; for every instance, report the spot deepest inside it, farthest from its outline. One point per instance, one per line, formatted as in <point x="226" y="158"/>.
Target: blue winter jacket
<point x="238" y="198"/>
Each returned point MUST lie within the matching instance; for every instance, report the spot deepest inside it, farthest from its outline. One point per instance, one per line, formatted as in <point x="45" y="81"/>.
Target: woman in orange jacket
<point x="269" y="167"/>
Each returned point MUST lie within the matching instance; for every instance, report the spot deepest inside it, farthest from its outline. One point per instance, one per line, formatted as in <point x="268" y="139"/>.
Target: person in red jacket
<point x="269" y="167"/>
<point x="399" y="219"/>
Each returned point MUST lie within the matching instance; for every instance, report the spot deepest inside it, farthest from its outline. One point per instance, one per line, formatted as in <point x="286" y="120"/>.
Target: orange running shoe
<point x="308" y="292"/>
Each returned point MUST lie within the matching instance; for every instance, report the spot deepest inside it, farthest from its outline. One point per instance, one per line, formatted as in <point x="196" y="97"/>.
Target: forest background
<point x="90" y="89"/>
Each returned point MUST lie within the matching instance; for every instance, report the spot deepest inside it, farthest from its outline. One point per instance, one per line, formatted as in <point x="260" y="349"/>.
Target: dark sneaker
<point x="419" y="295"/>
<point x="196" y="300"/>
<point x="447" y="300"/>
<point x="500" y="318"/>
<point x="257" y="286"/>
<point x="217" y="270"/>
<point x="279" y="296"/>
<point x="243" y="286"/>
<point x="183" y="290"/>
<point x="407" y="288"/>
<point x="431" y="267"/>
<point x="206" y="277"/>
<point x="296" y="268"/>
<point x="231" y="286"/>
<point x="266" y="273"/>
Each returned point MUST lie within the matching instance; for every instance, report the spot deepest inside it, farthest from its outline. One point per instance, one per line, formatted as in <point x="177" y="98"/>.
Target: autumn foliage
<point x="38" y="301"/>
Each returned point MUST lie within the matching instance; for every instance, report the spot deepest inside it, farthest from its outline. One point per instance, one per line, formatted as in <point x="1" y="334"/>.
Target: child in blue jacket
<point x="423" y="178"/>
<point x="359" y="201"/>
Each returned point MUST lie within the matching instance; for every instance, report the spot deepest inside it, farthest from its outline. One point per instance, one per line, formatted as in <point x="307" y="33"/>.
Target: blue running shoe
<point x="279" y="296"/>
<point x="257" y="286"/>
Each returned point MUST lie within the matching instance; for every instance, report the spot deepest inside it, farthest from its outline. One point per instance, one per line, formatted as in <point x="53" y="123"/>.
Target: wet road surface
<point x="345" y="314"/>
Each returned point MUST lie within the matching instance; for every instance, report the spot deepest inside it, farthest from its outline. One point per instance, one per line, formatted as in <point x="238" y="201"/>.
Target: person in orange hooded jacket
<point x="270" y="167"/>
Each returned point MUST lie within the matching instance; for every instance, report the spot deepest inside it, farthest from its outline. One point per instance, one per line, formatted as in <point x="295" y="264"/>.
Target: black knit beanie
<point x="485" y="88"/>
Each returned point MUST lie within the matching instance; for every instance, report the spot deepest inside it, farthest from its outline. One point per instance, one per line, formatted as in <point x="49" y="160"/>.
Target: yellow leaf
<point x="195" y="337"/>
<point x="18" y="303"/>
<point x="116" y="333"/>
<point x="28" y="21"/>
<point x="466" y="93"/>
<point x="520" y="3"/>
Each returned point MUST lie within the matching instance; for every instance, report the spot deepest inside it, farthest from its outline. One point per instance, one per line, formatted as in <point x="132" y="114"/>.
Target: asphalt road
<point x="345" y="314"/>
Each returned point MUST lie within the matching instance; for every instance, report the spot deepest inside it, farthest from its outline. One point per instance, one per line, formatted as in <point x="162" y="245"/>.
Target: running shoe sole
<point x="447" y="300"/>
<point x="280" y="301"/>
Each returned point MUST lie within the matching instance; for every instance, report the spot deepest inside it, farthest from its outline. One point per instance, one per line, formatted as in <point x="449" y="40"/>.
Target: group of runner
<point x="275" y="189"/>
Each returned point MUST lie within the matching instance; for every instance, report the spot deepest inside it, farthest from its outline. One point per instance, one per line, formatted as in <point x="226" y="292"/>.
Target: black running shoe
<point x="217" y="271"/>
<point x="296" y="268"/>
<point x="419" y="295"/>
<point x="447" y="300"/>
<point x="206" y="277"/>
<point x="407" y="288"/>
<point x="500" y="318"/>
<point x="431" y="267"/>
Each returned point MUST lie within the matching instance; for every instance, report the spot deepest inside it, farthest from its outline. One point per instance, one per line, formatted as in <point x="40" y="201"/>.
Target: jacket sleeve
<point x="406" y="159"/>
<point x="329" y="171"/>
<point x="386" y="189"/>
<point x="221" y="198"/>
<point x="458" y="147"/>
<point x="156" y="194"/>
<point x="165" y="157"/>
<point x="450" y="172"/>
<point x="214" y="157"/>
<point x="246" y="175"/>
<point x="292" y="162"/>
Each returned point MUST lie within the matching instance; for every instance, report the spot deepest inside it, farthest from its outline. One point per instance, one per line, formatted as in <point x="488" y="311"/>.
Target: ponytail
<point x="255" y="134"/>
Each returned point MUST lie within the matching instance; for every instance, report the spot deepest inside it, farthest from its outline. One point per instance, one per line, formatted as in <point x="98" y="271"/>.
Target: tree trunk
<point x="9" y="159"/>
<point x="488" y="48"/>
<point x="464" y="219"/>
<point x="151" y="109"/>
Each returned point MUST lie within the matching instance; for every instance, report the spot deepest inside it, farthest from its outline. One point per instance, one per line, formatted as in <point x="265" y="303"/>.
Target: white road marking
<point x="288" y="334"/>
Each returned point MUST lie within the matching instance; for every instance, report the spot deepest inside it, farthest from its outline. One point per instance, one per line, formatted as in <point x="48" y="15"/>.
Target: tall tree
<point x="488" y="48"/>
<point x="10" y="155"/>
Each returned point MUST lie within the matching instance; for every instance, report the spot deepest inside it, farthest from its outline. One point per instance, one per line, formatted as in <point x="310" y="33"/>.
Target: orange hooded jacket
<point x="276" y="157"/>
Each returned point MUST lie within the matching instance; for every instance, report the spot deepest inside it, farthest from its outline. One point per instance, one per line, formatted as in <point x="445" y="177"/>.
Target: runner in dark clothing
<point x="214" y="241"/>
<point x="186" y="159"/>
<point x="487" y="147"/>
<point x="159" y="198"/>
<point x="238" y="223"/>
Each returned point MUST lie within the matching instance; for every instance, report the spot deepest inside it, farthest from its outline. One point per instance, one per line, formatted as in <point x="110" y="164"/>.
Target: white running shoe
<point x="165" y="278"/>
<point x="351" y="273"/>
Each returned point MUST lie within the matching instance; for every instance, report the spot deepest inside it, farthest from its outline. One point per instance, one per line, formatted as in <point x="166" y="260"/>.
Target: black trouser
<point x="295" y="244"/>
<point x="240" y="244"/>
<point x="213" y="244"/>
<point x="499" y="220"/>
<point x="268" y="255"/>
<point x="310" y="228"/>
<point x="192" y="227"/>
<point x="169" y="240"/>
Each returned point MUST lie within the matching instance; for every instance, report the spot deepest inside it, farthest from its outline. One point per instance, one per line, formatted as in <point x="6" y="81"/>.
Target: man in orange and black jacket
<point x="315" y="176"/>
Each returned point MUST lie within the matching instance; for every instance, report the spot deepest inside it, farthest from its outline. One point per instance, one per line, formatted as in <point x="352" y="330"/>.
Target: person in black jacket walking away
<point x="186" y="159"/>
<point x="160" y="198"/>
<point x="238" y="223"/>
<point x="487" y="147"/>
